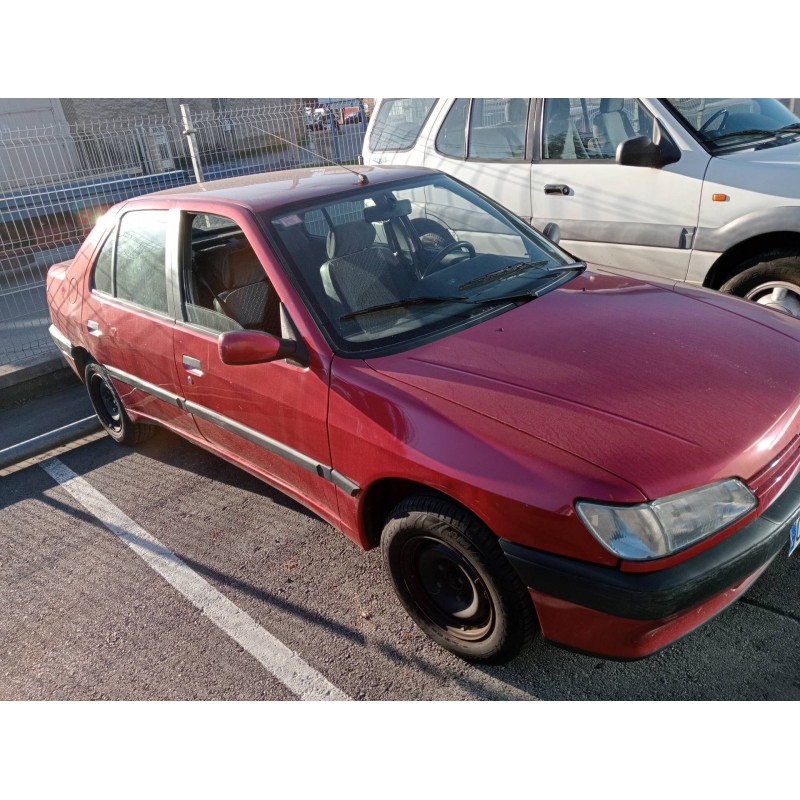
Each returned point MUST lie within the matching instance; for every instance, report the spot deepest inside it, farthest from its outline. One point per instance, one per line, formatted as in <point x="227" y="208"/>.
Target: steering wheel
<point x="445" y="251"/>
<point x="722" y="112"/>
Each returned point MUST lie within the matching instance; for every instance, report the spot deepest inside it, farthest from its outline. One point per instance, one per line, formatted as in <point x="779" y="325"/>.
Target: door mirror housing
<point x="552" y="232"/>
<point x="256" y="347"/>
<point x="642" y="151"/>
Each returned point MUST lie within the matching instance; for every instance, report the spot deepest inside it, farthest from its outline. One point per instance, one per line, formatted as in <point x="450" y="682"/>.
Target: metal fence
<point x="56" y="181"/>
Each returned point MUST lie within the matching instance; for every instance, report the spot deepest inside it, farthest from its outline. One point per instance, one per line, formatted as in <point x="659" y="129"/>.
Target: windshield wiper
<point x="410" y="301"/>
<point x="414" y="301"/>
<point x="522" y="266"/>
<point x="512" y="269"/>
<point x="747" y="132"/>
<point x="507" y="298"/>
<point x="792" y="127"/>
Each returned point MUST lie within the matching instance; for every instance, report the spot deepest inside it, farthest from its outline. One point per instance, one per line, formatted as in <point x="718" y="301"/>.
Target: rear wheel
<point x="772" y="281"/>
<point x="454" y="581"/>
<point x="109" y="408"/>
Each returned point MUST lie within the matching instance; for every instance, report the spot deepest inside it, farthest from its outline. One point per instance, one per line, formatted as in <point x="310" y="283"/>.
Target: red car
<point x="533" y="445"/>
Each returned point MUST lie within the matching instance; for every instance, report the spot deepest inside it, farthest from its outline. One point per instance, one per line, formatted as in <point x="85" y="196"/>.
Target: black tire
<point x="772" y="279"/>
<point x="109" y="409"/>
<point x="452" y="578"/>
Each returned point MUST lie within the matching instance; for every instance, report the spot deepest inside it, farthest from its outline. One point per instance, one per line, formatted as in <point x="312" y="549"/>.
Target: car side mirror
<point x="642" y="151"/>
<point x="552" y="232"/>
<point x="256" y="347"/>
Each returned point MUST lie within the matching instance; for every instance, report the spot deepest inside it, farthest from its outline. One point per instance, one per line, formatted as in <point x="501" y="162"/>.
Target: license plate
<point x="794" y="536"/>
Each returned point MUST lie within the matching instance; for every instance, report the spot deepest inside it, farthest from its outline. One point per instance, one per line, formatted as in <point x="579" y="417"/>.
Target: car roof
<point x="268" y="191"/>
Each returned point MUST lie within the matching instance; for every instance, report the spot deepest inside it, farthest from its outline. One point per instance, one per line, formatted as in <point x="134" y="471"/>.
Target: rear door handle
<point x="556" y="188"/>
<point x="94" y="328"/>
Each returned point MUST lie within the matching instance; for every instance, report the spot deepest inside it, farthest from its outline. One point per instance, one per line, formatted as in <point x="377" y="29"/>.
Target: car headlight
<point x="662" y="527"/>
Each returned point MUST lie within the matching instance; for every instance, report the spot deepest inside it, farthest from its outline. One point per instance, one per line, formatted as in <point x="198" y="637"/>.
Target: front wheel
<point x="774" y="283"/>
<point x="452" y="578"/>
<point x="109" y="408"/>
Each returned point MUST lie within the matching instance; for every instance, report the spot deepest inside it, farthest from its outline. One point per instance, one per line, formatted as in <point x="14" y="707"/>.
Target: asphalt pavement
<point x="43" y="406"/>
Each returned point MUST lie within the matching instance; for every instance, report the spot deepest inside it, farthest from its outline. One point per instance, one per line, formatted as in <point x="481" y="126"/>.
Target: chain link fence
<point x="55" y="182"/>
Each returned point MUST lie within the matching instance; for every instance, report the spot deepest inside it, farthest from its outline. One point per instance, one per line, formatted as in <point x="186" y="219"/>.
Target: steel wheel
<point x="447" y="589"/>
<point x="109" y="409"/>
<point x="452" y="578"/>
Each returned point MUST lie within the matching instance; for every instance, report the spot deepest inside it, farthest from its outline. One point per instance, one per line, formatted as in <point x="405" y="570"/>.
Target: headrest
<point x="608" y="104"/>
<point x="516" y="109"/>
<point x="558" y="108"/>
<point x="349" y="237"/>
<point x="235" y="264"/>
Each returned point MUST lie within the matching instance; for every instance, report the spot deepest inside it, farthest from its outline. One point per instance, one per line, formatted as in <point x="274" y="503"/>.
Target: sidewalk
<point x="43" y="405"/>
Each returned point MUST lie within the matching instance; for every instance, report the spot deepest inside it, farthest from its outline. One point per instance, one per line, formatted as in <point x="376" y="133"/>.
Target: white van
<point x="704" y="190"/>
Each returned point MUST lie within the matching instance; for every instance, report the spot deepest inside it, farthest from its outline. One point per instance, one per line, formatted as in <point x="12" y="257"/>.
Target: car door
<point x="641" y="219"/>
<point x="129" y="315"/>
<point x="269" y="417"/>
<point x="484" y="142"/>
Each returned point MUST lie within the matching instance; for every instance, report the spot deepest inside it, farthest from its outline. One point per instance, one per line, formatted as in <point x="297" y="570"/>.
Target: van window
<point x="398" y="122"/>
<point x="452" y="137"/>
<point x="497" y="127"/>
<point x="591" y="127"/>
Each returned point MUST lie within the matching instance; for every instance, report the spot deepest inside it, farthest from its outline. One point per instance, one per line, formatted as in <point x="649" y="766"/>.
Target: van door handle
<point x="556" y="188"/>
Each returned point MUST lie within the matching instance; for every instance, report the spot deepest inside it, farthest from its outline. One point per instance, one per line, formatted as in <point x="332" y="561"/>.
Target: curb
<point x="33" y="378"/>
<point x="48" y="441"/>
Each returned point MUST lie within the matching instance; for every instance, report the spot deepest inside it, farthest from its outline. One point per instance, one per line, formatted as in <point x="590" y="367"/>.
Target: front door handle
<point x="556" y="188"/>
<point x="193" y="365"/>
<point x="94" y="328"/>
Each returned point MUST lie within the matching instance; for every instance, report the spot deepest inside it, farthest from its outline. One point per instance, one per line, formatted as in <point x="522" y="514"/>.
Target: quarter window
<point x="398" y="122"/>
<point x="103" y="269"/>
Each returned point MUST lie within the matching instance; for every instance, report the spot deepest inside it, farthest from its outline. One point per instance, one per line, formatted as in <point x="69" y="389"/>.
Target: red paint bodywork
<point x="607" y="388"/>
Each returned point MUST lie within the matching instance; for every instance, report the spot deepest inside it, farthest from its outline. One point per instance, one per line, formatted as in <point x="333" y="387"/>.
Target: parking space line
<point x="298" y="676"/>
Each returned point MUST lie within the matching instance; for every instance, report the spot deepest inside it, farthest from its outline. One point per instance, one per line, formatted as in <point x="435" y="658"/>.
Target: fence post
<point x="189" y="133"/>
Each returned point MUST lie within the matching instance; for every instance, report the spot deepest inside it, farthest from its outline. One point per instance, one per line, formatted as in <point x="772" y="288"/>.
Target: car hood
<point x="665" y="387"/>
<point x="770" y="170"/>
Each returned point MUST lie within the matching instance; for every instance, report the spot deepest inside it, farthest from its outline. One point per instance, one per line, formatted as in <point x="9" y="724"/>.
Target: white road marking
<point x="298" y="676"/>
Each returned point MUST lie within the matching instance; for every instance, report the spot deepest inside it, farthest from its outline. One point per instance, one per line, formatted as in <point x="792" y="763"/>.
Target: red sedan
<point x="533" y="445"/>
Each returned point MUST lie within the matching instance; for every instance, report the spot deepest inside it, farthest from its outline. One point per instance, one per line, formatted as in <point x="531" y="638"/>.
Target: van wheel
<point x="452" y="578"/>
<point x="773" y="282"/>
<point x="109" y="409"/>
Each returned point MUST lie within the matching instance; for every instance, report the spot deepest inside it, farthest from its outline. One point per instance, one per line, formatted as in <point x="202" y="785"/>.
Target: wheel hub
<point x="109" y="410"/>
<point x="779" y="295"/>
<point x="447" y="589"/>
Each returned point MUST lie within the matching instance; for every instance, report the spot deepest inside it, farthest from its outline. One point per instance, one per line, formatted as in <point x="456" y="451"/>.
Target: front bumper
<point x="603" y="610"/>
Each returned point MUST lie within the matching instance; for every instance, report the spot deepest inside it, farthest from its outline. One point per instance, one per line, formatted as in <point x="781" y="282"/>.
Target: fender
<point x="756" y="223"/>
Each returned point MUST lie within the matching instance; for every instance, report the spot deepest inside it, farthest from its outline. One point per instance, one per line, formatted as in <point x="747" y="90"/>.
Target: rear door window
<point x="398" y="122"/>
<point x="497" y="128"/>
<point x="131" y="265"/>
<point x="141" y="259"/>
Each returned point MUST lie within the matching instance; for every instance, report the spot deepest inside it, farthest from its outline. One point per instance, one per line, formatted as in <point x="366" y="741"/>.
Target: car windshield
<point x="387" y="265"/>
<point x="723" y="122"/>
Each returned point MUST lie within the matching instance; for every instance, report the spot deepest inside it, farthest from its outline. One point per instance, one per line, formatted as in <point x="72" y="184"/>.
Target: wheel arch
<point x="386" y="493"/>
<point x="82" y="357"/>
<point x="748" y="252"/>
